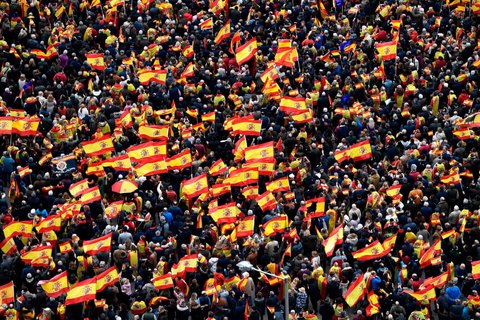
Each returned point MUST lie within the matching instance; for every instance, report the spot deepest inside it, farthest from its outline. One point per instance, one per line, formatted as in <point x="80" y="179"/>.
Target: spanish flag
<point x="374" y="250"/>
<point x="143" y="152"/>
<point x="82" y="291"/>
<point x="286" y="57"/>
<point x="207" y="24"/>
<point x="98" y="146"/>
<point x="246" y="52"/>
<point x="96" y="61"/>
<point x="209" y="117"/>
<point x="356" y="291"/>
<point x="156" y="165"/>
<point x="106" y="278"/>
<point x="188" y="51"/>
<point x="218" y="189"/>
<point x="303" y="116"/>
<point x="229" y="282"/>
<point x="292" y="105"/>
<point x="247" y="126"/>
<point x="250" y="192"/>
<point x="319" y="210"/>
<point x="65" y="247"/>
<point x="8" y="245"/>
<point x="335" y="238"/>
<point x="270" y="73"/>
<point x="6" y="125"/>
<point x="429" y="255"/>
<point x="119" y="163"/>
<point x="189" y="262"/>
<point x="147" y="76"/>
<point x="342" y="155"/>
<point x="26" y="126"/>
<point x="50" y="223"/>
<point x="438" y="281"/>
<point x="178" y="270"/>
<point x="448" y="234"/>
<point x="242" y="177"/>
<point x="425" y="294"/>
<point x="239" y="149"/>
<point x="56" y="285"/>
<point x="188" y="71"/>
<point x="226" y="213"/>
<point x="78" y="188"/>
<point x="59" y="12"/>
<point x="265" y="167"/>
<point x="275" y="225"/>
<point x="217" y="168"/>
<point x="387" y="50"/>
<point x="114" y="209"/>
<point x="101" y="244"/>
<point x="279" y="185"/>
<point x="153" y="132"/>
<point x="163" y="282"/>
<point x="223" y="33"/>
<point x="217" y="6"/>
<point x="389" y="243"/>
<point x="210" y="287"/>
<point x="7" y="294"/>
<point x="262" y="152"/>
<point x="284" y="43"/>
<point x="96" y="169"/>
<point x="453" y="178"/>
<point x="125" y="120"/>
<point x="43" y="251"/>
<point x="195" y="187"/>
<point x="394" y="190"/>
<point x="91" y="195"/>
<point x="245" y="227"/>
<point x="476" y="269"/>
<point x="16" y="228"/>
<point x="180" y="161"/>
<point x="361" y="151"/>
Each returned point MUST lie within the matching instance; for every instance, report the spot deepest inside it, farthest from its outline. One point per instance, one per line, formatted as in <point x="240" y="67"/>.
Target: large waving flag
<point x="246" y="52"/>
<point x="217" y="168"/>
<point x="387" y="50"/>
<point x="26" y="126"/>
<point x="98" y="146"/>
<point x="223" y="33"/>
<point x="96" y="61"/>
<point x="335" y="238"/>
<point x="36" y="253"/>
<point x="195" y="187"/>
<point x="180" y="161"/>
<point x="50" y="223"/>
<point x="82" y="291"/>
<point x="425" y="294"/>
<point x="361" y="151"/>
<point x="153" y="132"/>
<point x="207" y="24"/>
<point x="163" y="282"/>
<point x="266" y="201"/>
<point x="226" y="213"/>
<point x="247" y="126"/>
<point x="154" y="166"/>
<point x="429" y="255"/>
<point x="101" y="244"/>
<point x="7" y="293"/>
<point x="16" y="228"/>
<point x="279" y="185"/>
<point x="78" y="188"/>
<point x="275" y="225"/>
<point x="106" y="278"/>
<point x="292" y="105"/>
<point x="147" y="76"/>
<point x="356" y="291"/>
<point x="91" y="195"/>
<point x="375" y="250"/>
<point x="262" y="151"/>
<point x="242" y="177"/>
<point x="56" y="285"/>
<point x="245" y="227"/>
<point x="143" y="152"/>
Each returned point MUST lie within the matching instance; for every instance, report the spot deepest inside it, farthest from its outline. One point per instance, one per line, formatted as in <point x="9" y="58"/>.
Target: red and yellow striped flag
<point x="180" y="161"/>
<point x="106" y="278"/>
<point x="279" y="185"/>
<point x="195" y="187"/>
<point x="101" y="244"/>
<point x="78" y="188"/>
<point x="16" y="228"/>
<point x="82" y="291"/>
<point x="56" y="285"/>
<point x="98" y="146"/>
<point x="50" y="223"/>
<point x="246" y="52"/>
<point x="223" y="33"/>
<point x="96" y="61"/>
<point x="356" y="291"/>
<point x="91" y="195"/>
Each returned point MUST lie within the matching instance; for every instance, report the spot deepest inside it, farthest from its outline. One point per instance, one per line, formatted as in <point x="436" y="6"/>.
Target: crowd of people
<point x="122" y="71"/>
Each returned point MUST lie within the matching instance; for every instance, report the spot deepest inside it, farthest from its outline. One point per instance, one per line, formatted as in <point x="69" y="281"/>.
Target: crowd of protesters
<point x="411" y="132"/>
